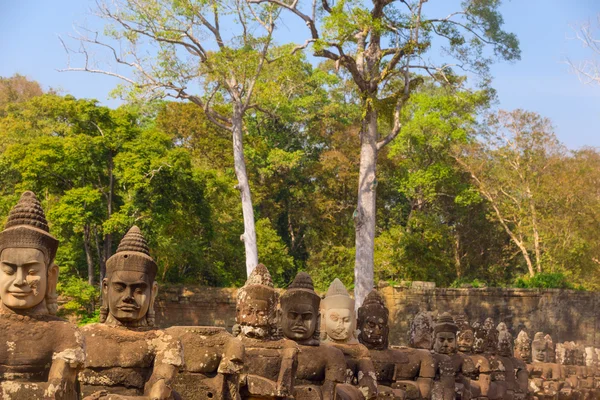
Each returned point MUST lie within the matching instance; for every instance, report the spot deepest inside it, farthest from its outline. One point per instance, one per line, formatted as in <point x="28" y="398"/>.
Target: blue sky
<point x="539" y="82"/>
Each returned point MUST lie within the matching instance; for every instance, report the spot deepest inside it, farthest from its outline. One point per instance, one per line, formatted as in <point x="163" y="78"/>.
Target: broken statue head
<point x="129" y="288"/>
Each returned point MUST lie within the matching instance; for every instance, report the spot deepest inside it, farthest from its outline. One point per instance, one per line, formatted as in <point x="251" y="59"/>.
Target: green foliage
<point x="82" y="299"/>
<point x="551" y="280"/>
<point x="273" y="252"/>
<point x="462" y="282"/>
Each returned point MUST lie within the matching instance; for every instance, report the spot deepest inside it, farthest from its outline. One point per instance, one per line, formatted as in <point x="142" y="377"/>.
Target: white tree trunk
<point x="249" y="236"/>
<point x="366" y="210"/>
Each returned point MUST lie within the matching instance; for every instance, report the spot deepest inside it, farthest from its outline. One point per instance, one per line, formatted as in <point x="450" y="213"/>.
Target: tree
<point x="354" y="37"/>
<point x="514" y="168"/>
<point x="588" y="36"/>
<point x="227" y="68"/>
<point x="16" y="89"/>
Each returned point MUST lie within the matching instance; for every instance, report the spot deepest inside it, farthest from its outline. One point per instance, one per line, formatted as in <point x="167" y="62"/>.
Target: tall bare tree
<point x="588" y="35"/>
<point x="185" y="50"/>
<point x="384" y="45"/>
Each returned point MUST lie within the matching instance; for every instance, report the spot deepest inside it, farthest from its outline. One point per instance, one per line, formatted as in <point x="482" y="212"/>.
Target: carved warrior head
<point x="373" y="322"/>
<point x="445" y="335"/>
<point x="28" y="275"/>
<point x="129" y="288"/>
<point x="505" y="340"/>
<point x="491" y="336"/>
<point x="465" y="337"/>
<point x="551" y="354"/>
<point x="338" y="317"/>
<point x="421" y="331"/>
<point x="523" y="347"/>
<point x="300" y="311"/>
<point x="256" y="306"/>
<point x="539" y="348"/>
<point x="591" y="358"/>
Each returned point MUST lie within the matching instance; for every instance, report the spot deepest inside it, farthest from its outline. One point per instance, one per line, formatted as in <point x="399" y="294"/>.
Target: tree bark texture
<point x="366" y="211"/>
<point x="249" y="236"/>
<point x="88" y="254"/>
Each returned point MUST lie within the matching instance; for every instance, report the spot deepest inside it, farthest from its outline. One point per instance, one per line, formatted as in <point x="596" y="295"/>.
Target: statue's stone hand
<point x="160" y="391"/>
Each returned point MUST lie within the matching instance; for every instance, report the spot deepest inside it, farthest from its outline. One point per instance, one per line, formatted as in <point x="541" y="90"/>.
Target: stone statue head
<point x="479" y="335"/>
<point x="444" y="333"/>
<point x="465" y="337"/>
<point x="550" y="352"/>
<point x="300" y="311"/>
<point x="491" y="336"/>
<point x="373" y="322"/>
<point x="421" y="331"/>
<point x="28" y="275"/>
<point x="505" y="341"/>
<point x="523" y="347"/>
<point x="579" y="355"/>
<point x="129" y="288"/>
<point x="337" y="309"/>
<point x="565" y="353"/>
<point x="539" y="348"/>
<point x="256" y="305"/>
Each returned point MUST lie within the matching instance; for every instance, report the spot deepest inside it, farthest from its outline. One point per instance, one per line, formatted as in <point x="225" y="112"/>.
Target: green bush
<point x="475" y="283"/>
<point x="553" y="280"/>
<point x="82" y="300"/>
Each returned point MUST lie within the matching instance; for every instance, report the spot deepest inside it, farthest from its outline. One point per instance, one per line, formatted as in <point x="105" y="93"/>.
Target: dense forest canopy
<point x="461" y="198"/>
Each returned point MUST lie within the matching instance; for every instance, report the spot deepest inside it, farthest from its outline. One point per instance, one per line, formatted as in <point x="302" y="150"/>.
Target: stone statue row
<point x="297" y="346"/>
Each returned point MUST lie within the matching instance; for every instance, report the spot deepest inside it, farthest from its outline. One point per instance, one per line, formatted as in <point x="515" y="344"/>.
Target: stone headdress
<point x="27" y="228"/>
<point x="302" y="290"/>
<point x="445" y="323"/>
<point x="374" y="305"/>
<point x="131" y="255"/>
<point x="260" y="286"/>
<point x="505" y="338"/>
<point x="337" y="295"/>
<point x="523" y="343"/>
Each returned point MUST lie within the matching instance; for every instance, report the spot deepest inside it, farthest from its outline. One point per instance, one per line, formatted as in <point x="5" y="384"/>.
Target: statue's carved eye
<point x="139" y="291"/>
<point x="32" y="272"/>
<point x="8" y="270"/>
<point x="307" y="316"/>
<point x="119" y="287"/>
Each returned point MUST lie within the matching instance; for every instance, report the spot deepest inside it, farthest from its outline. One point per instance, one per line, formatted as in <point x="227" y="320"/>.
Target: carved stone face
<point x="374" y="330"/>
<point x="340" y="323"/>
<point x="445" y="343"/>
<point x="298" y="320"/>
<point x="505" y="347"/>
<point x="421" y="331"/>
<point x="254" y="312"/>
<point x="465" y="340"/>
<point x="523" y="351"/>
<point x="23" y="277"/>
<point x="539" y="351"/>
<point x="129" y="295"/>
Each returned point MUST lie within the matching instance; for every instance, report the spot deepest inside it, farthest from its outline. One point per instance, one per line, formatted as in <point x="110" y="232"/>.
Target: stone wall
<point x="566" y="314"/>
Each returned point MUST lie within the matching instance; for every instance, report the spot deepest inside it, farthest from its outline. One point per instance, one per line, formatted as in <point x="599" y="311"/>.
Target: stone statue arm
<point x="367" y="379"/>
<point x="334" y="371"/>
<point x="168" y="360"/>
<point x="426" y="374"/>
<point x="287" y="370"/>
<point x="522" y="376"/>
<point x="232" y="361"/>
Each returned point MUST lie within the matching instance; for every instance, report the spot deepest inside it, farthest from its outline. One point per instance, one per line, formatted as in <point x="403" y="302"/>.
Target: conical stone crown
<point x="373" y="299"/>
<point x="337" y="288"/>
<point x="302" y="281"/>
<point x="28" y="211"/>
<point x="260" y="276"/>
<point x="134" y="241"/>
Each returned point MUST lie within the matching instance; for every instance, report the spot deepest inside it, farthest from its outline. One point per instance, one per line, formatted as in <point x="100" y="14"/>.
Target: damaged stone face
<point x="125" y="355"/>
<point x="271" y="362"/>
<point x="40" y="354"/>
<point x="421" y="331"/>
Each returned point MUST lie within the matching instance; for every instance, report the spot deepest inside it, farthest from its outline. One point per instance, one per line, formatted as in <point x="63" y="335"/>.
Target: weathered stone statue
<point x="213" y="361"/>
<point x="339" y="324"/>
<point x="39" y="353"/>
<point x="485" y="364"/>
<point x="321" y="368"/>
<point x="449" y="365"/>
<point x="523" y="347"/>
<point x="125" y="356"/>
<point x="544" y="376"/>
<point x="401" y="373"/>
<point x="421" y="331"/>
<point x="473" y="365"/>
<point x="516" y="374"/>
<point x="271" y="363"/>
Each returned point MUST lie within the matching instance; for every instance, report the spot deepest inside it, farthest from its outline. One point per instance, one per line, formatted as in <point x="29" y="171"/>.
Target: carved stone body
<point x="339" y="323"/>
<point x="40" y="354"/>
<point x="127" y="361"/>
<point x="125" y="355"/>
<point x="213" y="361"/>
